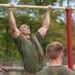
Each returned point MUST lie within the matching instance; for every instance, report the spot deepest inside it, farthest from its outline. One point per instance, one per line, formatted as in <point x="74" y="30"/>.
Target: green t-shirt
<point x="57" y="70"/>
<point x="31" y="52"/>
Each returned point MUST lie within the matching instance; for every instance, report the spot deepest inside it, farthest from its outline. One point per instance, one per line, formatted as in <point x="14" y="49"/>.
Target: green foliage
<point x="4" y="1"/>
<point x="33" y="18"/>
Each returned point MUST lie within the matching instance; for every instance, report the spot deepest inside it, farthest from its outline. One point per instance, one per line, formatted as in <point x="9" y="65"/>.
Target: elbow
<point x="12" y="27"/>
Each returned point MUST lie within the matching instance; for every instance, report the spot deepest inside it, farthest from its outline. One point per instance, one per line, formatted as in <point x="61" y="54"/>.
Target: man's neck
<point x="26" y="36"/>
<point x="55" y="62"/>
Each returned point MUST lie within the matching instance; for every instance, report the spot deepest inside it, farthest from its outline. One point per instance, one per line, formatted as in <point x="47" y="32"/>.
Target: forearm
<point x="11" y="19"/>
<point x="46" y="21"/>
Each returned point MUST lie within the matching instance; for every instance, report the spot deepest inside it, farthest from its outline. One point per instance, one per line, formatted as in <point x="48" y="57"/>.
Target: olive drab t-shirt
<point x="57" y="70"/>
<point x="31" y="52"/>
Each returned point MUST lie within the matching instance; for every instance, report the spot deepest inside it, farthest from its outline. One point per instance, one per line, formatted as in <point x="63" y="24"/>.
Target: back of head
<point x="54" y="50"/>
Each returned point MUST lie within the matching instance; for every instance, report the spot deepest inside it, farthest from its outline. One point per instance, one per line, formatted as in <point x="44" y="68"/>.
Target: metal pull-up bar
<point x="12" y="68"/>
<point x="31" y="6"/>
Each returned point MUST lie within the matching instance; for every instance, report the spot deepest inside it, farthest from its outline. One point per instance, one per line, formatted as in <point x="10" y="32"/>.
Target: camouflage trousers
<point x="26" y="73"/>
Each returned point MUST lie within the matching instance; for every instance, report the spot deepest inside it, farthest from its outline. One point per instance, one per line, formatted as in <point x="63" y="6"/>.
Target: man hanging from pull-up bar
<point x="27" y="44"/>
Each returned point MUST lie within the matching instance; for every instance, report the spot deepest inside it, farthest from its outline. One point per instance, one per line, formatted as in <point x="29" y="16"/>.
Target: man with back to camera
<point x="55" y="54"/>
<point x="28" y="44"/>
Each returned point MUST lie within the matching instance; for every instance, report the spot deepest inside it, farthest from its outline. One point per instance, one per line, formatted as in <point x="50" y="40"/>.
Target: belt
<point x="27" y="73"/>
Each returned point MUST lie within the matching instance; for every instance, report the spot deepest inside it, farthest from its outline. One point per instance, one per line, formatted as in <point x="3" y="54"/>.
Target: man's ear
<point x="62" y="56"/>
<point x="47" y="56"/>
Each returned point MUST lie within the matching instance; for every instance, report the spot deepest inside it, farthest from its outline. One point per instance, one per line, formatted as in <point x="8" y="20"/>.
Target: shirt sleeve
<point x="18" y="43"/>
<point x="38" y="35"/>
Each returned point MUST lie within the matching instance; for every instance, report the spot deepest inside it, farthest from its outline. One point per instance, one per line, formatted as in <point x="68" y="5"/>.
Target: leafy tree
<point x="33" y="18"/>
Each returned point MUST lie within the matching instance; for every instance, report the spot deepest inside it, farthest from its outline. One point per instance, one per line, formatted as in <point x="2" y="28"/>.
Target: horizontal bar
<point x="12" y="68"/>
<point x="31" y="6"/>
<point x="21" y="68"/>
<point x="73" y="8"/>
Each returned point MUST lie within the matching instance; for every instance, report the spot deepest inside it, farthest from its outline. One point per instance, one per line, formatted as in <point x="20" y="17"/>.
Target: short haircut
<point x="54" y="49"/>
<point x="18" y="27"/>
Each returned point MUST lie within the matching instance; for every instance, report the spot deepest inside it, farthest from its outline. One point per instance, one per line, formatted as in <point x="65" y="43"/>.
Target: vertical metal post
<point x="69" y="37"/>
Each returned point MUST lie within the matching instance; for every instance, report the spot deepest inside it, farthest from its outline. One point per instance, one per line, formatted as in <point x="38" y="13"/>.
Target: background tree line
<point x="34" y="18"/>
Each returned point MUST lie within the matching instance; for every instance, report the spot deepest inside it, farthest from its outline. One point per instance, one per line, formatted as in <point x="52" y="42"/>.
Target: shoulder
<point x="68" y="70"/>
<point x="19" y="39"/>
<point x="43" y="72"/>
<point x="36" y="35"/>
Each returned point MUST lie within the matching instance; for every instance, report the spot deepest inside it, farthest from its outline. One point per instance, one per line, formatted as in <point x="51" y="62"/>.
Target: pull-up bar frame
<point x="69" y="26"/>
<point x="69" y="37"/>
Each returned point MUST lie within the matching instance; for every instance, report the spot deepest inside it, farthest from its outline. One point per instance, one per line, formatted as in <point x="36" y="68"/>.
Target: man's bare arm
<point x="46" y="22"/>
<point x="12" y="22"/>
